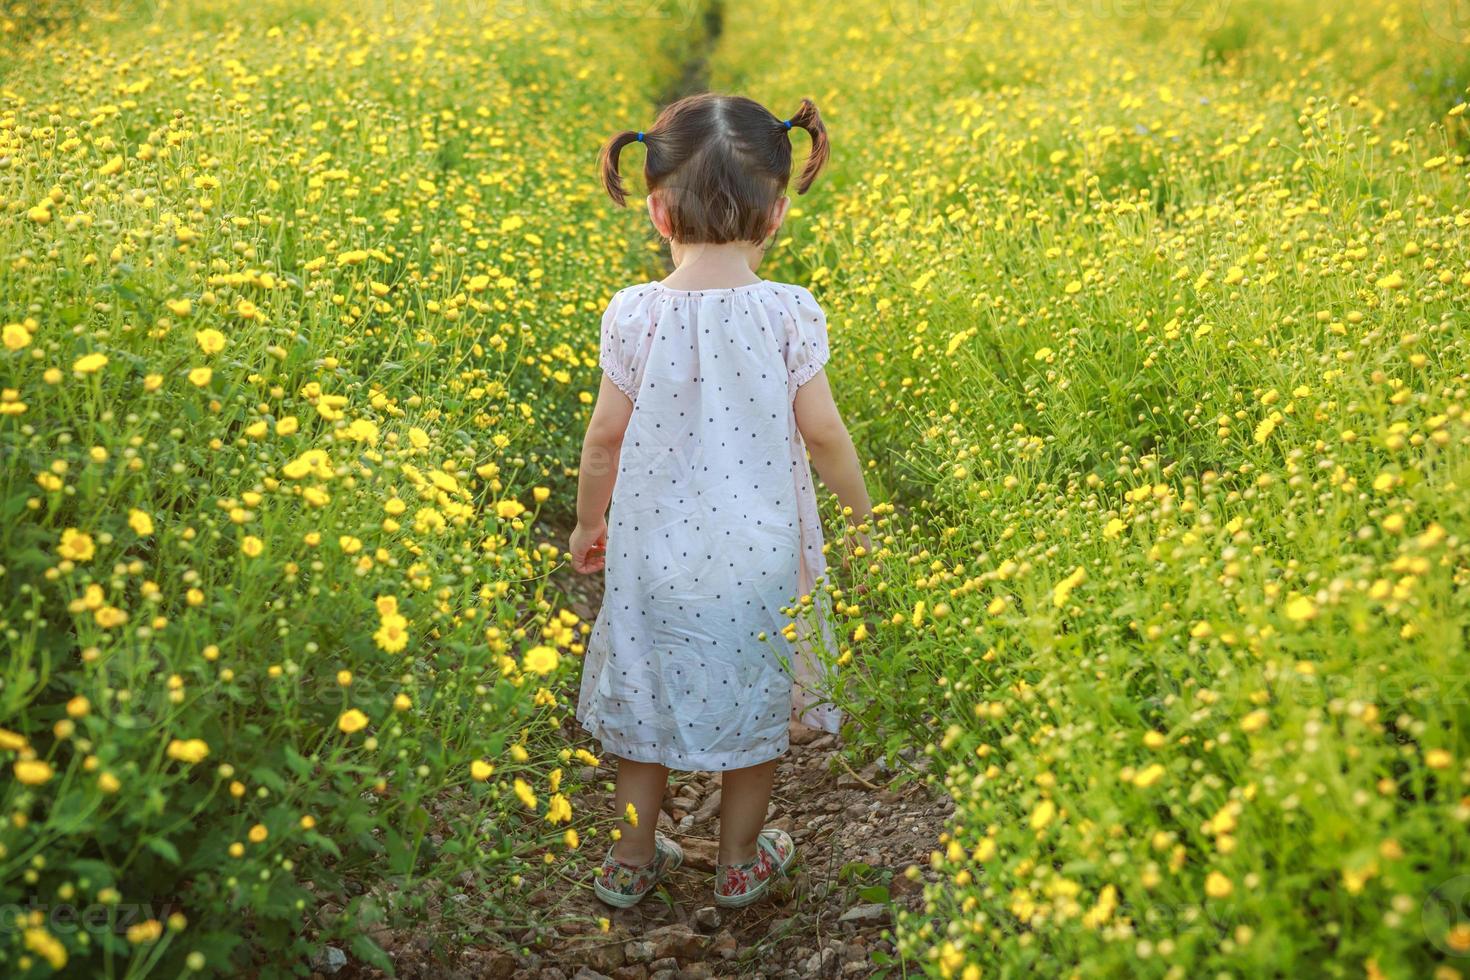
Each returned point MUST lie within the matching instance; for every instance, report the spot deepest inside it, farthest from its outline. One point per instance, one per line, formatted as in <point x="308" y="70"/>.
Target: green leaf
<point x="371" y="953"/>
<point x="164" y="849"/>
<point x="877" y="894"/>
<point x="298" y="763"/>
<point x="269" y="778"/>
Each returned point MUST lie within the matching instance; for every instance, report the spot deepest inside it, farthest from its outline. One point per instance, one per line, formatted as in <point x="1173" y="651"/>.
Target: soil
<point x="863" y="841"/>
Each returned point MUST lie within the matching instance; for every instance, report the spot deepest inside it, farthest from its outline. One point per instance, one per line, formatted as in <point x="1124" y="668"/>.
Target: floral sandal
<point x="624" y="885"/>
<point x="738" y="885"/>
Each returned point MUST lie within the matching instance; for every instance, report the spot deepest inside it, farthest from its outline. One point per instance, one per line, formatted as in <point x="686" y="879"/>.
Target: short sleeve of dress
<point x="618" y="349"/>
<point x="807" y="351"/>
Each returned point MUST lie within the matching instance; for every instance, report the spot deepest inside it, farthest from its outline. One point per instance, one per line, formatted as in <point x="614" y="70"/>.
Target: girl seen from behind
<point x="713" y="396"/>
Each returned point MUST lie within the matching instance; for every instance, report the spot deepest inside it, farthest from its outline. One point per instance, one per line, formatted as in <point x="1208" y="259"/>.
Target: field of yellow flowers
<point x="1151" y="317"/>
<point x="1158" y="316"/>
<point x="298" y="308"/>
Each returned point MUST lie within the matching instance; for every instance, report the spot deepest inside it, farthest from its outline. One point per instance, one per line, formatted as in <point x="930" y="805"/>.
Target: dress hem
<point x="700" y="762"/>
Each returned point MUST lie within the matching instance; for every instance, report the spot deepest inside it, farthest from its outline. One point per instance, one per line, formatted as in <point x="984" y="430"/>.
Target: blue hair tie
<point x="786" y="123"/>
<point x="640" y="136"/>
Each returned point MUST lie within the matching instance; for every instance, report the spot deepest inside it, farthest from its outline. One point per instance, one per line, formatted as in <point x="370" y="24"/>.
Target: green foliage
<point x="287" y="301"/>
<point x="1166" y="358"/>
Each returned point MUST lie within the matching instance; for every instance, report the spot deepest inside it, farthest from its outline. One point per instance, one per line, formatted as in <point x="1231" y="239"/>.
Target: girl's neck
<point x="706" y="266"/>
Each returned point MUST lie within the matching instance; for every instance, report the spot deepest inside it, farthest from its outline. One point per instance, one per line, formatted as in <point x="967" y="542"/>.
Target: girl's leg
<point x="745" y="796"/>
<point x="641" y="784"/>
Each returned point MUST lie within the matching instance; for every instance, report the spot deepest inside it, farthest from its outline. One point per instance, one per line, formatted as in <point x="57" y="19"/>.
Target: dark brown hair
<point x="719" y="163"/>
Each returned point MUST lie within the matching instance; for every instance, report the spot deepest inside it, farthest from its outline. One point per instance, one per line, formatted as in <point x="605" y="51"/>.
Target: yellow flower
<point x="145" y="932"/>
<point x="524" y="794"/>
<point x="1062" y="591"/>
<point x="140" y="522"/>
<point x="201" y="376"/>
<point x="402" y="702"/>
<point x="89" y="363"/>
<point x="11" y="741"/>
<point x="33" y="772"/>
<point x="480" y="770"/>
<point x="507" y="509"/>
<point x="76" y="545"/>
<point x="210" y="340"/>
<point x="190" y="750"/>
<point x="352" y="721"/>
<point x="258" y="833"/>
<point x="362" y="430"/>
<point x="1148" y="776"/>
<point x="180" y="307"/>
<point x="108" y="783"/>
<point x="46" y="946"/>
<point x="1218" y="886"/>
<point x="1044" y="813"/>
<point x="1255" y="721"/>
<point x="251" y="546"/>
<point x="392" y="635"/>
<point x="572" y="839"/>
<point x="1438" y="759"/>
<point x="558" y="809"/>
<point x="631" y="815"/>
<point x="15" y="336"/>
<point x="541" y="660"/>
<point x="1300" y="609"/>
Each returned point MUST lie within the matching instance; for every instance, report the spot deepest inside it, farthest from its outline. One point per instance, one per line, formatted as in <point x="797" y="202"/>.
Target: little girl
<point x="713" y="395"/>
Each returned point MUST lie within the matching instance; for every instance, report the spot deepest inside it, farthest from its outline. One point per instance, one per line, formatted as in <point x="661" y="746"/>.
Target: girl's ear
<point x="778" y="214"/>
<point x="659" y="215"/>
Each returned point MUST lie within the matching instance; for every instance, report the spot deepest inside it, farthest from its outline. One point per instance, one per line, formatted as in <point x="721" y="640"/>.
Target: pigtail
<point x="607" y="163"/>
<point x="809" y="119"/>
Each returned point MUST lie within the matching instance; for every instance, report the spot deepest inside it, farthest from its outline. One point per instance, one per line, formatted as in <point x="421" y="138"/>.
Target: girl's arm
<point x="833" y="455"/>
<point x="599" y="469"/>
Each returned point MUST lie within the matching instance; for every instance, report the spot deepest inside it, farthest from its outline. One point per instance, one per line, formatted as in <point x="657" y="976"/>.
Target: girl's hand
<point x="588" y="546"/>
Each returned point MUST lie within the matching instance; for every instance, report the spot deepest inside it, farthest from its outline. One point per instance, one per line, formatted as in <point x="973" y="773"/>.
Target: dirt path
<point x="863" y="842"/>
<point x="831" y="917"/>
<point x="827" y="919"/>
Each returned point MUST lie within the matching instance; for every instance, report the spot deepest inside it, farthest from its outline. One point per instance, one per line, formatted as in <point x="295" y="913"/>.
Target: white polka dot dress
<point x="713" y="531"/>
